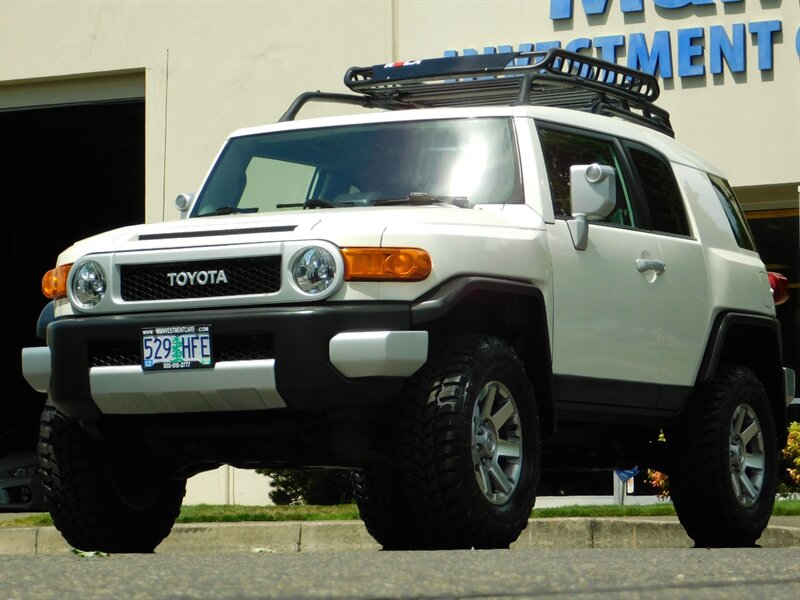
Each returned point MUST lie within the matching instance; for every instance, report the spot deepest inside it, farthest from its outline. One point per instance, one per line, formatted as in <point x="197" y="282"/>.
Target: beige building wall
<point x="228" y="485"/>
<point x="748" y="123"/>
<point x="210" y="67"/>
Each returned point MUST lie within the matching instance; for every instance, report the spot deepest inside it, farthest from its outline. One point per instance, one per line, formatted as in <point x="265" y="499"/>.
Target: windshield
<point x="459" y="161"/>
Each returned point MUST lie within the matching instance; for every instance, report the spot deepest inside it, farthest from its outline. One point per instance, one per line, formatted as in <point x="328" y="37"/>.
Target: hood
<point x="356" y="226"/>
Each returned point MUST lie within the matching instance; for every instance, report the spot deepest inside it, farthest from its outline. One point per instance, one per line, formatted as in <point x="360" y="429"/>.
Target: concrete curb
<point x="344" y="536"/>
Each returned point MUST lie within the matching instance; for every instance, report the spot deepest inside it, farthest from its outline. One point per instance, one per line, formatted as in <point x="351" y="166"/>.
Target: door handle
<point x="648" y="264"/>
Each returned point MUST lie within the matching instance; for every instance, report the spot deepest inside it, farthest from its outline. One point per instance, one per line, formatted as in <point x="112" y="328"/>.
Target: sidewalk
<point x="338" y="536"/>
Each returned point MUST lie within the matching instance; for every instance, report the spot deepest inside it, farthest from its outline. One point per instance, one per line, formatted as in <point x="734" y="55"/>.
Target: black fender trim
<point x="441" y="300"/>
<point x="529" y="336"/>
<point x="716" y="339"/>
<point x="765" y="359"/>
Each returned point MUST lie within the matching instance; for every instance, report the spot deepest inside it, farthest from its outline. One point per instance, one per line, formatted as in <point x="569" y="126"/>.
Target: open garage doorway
<point x="68" y="172"/>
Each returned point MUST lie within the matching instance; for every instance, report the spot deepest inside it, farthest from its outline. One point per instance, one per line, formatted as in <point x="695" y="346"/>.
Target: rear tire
<point x="94" y="503"/>
<point x="725" y="461"/>
<point x="470" y="445"/>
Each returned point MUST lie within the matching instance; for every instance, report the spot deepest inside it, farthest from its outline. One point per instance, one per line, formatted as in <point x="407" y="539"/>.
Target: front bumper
<point x="309" y="358"/>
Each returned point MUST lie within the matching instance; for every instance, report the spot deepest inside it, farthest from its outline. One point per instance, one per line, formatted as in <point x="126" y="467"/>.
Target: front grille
<point x="115" y="354"/>
<point x="225" y="347"/>
<point x="201" y="278"/>
<point x="243" y="347"/>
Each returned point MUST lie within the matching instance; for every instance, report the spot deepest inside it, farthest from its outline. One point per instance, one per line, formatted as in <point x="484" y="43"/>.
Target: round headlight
<point x="88" y="284"/>
<point x="314" y="270"/>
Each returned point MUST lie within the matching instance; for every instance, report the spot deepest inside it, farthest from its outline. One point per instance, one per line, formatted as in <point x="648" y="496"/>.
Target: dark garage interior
<point x="68" y="172"/>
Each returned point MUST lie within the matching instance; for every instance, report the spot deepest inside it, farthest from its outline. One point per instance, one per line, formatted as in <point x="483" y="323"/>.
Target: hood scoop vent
<point x="215" y="232"/>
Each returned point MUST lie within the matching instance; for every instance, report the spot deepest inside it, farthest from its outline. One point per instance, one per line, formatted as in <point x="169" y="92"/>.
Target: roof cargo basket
<point x="556" y="78"/>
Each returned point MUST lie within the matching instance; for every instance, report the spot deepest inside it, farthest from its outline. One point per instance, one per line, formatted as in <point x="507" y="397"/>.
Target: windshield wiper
<point x="424" y="199"/>
<point x="228" y="210"/>
<point x="310" y="203"/>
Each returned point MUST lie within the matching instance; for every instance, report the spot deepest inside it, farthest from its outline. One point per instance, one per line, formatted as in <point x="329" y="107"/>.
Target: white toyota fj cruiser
<point x="511" y="266"/>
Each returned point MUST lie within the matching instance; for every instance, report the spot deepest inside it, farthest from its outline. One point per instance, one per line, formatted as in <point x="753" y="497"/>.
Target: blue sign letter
<point x="658" y="59"/>
<point x="579" y="44"/>
<point x="681" y="3"/>
<point x="797" y="41"/>
<point x="720" y="46"/>
<point x="545" y="46"/>
<point x="763" y="31"/>
<point x="562" y="9"/>
<point x="632" y="5"/>
<point x="687" y="51"/>
<point x="608" y="45"/>
<point x="524" y="47"/>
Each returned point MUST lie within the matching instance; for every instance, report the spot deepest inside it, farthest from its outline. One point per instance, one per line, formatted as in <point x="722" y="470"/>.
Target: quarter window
<point x="661" y="193"/>
<point x="734" y="213"/>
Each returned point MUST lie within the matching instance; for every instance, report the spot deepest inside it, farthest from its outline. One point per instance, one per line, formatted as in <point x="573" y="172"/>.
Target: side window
<point x="661" y="192"/>
<point x="734" y="213"/>
<point x="562" y="149"/>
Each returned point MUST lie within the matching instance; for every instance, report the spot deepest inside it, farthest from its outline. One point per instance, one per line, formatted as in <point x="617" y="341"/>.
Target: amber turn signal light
<point x="54" y="282"/>
<point x="386" y="264"/>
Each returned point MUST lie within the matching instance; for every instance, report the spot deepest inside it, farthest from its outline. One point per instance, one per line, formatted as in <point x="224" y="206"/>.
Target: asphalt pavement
<point x="555" y="574"/>
<point x="338" y="536"/>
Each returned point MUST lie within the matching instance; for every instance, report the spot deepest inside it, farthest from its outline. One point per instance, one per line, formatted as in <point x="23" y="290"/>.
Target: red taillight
<point x="780" y="287"/>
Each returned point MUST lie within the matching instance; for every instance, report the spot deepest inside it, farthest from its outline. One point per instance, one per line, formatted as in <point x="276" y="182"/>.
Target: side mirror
<point x="593" y="195"/>
<point x="183" y="203"/>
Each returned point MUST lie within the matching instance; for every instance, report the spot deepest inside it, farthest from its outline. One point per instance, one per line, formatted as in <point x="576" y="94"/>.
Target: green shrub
<point x="789" y="472"/>
<point x="660" y="483"/>
<point x="324" y="487"/>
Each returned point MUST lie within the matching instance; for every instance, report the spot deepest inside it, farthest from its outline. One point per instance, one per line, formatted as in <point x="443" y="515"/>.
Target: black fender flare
<point x="731" y="340"/>
<point x="444" y="300"/>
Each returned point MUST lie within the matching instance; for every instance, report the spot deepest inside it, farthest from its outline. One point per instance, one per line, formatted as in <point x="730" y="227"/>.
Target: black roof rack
<point x="556" y="78"/>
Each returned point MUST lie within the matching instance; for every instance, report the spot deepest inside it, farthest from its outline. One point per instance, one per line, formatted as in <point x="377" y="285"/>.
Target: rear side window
<point x="661" y="193"/>
<point x="734" y="213"/>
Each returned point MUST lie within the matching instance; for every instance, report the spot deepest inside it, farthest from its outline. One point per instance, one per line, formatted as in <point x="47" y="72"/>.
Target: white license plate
<point x="177" y="347"/>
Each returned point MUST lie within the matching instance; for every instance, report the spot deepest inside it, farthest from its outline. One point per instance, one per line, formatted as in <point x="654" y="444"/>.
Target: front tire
<point x="383" y="508"/>
<point x="725" y="457"/>
<point x="95" y="504"/>
<point x="470" y="445"/>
